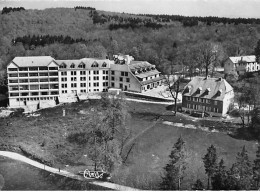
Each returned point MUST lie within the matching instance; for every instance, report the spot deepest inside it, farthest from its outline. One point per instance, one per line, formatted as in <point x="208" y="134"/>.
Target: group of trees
<point x="34" y="41"/>
<point x="193" y="20"/>
<point x="247" y="97"/>
<point x="6" y="10"/>
<point x="177" y="45"/>
<point x="86" y="8"/>
<point x="106" y="134"/>
<point x="152" y="25"/>
<point x="243" y="174"/>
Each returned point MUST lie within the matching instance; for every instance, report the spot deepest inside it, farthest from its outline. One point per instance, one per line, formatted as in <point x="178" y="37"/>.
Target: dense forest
<point x="164" y="40"/>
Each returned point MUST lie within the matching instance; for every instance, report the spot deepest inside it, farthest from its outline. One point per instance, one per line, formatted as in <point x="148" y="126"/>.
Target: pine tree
<point x="210" y="163"/>
<point x="241" y="172"/>
<point x="175" y="168"/>
<point x="256" y="168"/>
<point x="219" y="179"/>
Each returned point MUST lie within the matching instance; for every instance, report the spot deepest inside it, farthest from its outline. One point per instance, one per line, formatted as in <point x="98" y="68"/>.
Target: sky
<point x="220" y="8"/>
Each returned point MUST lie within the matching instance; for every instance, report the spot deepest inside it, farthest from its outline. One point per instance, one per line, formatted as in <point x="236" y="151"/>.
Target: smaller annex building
<point x="241" y="64"/>
<point x="207" y="95"/>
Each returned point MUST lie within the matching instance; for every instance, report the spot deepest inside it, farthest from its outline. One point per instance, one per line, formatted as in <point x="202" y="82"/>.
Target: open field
<point x="45" y="138"/>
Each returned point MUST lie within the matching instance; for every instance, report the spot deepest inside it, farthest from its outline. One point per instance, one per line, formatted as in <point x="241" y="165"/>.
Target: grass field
<point x="46" y="137"/>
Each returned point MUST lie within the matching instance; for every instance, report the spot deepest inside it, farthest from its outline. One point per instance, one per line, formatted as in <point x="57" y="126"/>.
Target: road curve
<point x="22" y="158"/>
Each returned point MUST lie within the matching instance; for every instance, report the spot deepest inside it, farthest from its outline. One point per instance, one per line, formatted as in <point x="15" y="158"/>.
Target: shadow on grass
<point x="172" y="107"/>
<point x="245" y="133"/>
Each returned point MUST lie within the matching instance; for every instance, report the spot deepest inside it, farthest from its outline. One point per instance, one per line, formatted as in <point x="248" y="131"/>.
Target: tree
<point x="220" y="177"/>
<point x="256" y="168"/>
<point x="210" y="163"/>
<point x="175" y="168"/>
<point x="241" y="172"/>
<point x="257" y="52"/>
<point x="198" y="185"/>
<point x="173" y="86"/>
<point x="115" y="115"/>
<point x="208" y="54"/>
<point x="103" y="149"/>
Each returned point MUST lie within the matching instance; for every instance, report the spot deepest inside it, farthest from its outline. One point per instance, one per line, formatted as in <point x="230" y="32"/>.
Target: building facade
<point x="208" y="95"/>
<point x="33" y="81"/>
<point x="42" y="81"/>
<point x="241" y="64"/>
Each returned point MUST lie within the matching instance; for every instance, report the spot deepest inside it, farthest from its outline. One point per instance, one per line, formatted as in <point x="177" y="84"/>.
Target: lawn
<point x="45" y="137"/>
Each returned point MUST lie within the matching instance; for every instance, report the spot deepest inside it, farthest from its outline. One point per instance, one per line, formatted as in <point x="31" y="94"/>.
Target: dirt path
<point x="108" y="185"/>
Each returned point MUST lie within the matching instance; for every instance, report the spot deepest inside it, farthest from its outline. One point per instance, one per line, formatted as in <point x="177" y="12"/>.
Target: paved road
<point x="22" y="158"/>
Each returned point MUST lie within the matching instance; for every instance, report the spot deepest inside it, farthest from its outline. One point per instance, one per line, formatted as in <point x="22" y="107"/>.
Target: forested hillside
<point x="71" y="33"/>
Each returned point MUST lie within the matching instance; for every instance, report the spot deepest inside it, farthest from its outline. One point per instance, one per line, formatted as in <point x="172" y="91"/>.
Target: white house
<point x="241" y="64"/>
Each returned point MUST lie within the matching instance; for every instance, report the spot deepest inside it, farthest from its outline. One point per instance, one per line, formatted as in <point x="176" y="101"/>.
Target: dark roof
<point x="136" y="65"/>
<point x="214" y="84"/>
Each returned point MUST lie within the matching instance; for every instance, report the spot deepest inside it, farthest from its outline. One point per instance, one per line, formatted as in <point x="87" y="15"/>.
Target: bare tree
<point x="208" y="54"/>
<point x="173" y="86"/>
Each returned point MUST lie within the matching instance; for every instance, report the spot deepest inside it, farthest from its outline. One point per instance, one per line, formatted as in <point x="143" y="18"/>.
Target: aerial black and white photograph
<point x="129" y="95"/>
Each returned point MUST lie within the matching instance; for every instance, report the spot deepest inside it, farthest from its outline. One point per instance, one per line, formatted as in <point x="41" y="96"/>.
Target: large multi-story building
<point x="241" y="64"/>
<point x="33" y="81"/>
<point x="207" y="95"/>
<point x="40" y="81"/>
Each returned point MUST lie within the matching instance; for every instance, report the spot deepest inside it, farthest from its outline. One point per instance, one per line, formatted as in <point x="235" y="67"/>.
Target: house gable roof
<point x="217" y="88"/>
<point x="248" y="59"/>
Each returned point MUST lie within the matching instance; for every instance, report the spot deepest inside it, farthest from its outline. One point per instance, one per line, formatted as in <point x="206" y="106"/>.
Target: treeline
<point x="194" y="20"/>
<point x="117" y="22"/>
<point x="134" y="25"/>
<point x="6" y="10"/>
<point x="86" y="8"/>
<point x="34" y="41"/>
<point x="172" y="45"/>
<point x="242" y="175"/>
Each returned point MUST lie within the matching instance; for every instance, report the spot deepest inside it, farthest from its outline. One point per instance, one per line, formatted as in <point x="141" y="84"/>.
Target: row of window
<point x="202" y="108"/>
<point x="202" y="100"/>
<point x="34" y="99"/>
<point x="33" y="69"/>
<point x="34" y="80"/>
<point x="34" y="87"/>
<point x="82" y="91"/>
<point x="64" y="73"/>
<point x="34" y="93"/>
<point x="123" y="73"/>
<point x="151" y="77"/>
<point x="74" y="85"/>
<point x="33" y="74"/>
<point x="121" y="79"/>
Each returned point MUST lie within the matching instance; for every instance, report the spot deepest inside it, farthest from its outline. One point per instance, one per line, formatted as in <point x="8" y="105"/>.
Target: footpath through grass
<point x="45" y="137"/>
